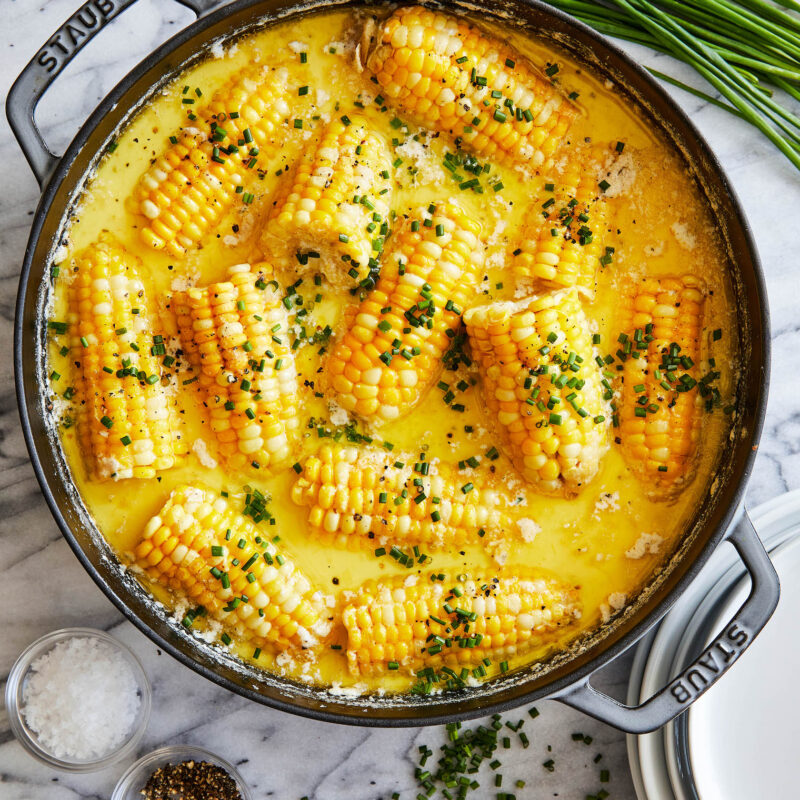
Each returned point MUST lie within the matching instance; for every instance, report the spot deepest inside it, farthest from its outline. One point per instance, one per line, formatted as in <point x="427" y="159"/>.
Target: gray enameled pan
<point x="566" y="676"/>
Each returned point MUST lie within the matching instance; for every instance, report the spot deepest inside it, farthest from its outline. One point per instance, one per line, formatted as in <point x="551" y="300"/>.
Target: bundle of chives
<point x="740" y="47"/>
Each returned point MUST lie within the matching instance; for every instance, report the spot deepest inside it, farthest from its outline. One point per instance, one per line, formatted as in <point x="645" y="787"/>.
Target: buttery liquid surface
<point x="663" y="228"/>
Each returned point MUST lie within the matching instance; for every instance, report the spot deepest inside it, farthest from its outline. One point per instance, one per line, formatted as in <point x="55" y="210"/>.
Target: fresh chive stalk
<point x="748" y="51"/>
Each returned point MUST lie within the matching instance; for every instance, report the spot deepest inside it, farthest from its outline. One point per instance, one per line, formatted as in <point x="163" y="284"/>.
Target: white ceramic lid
<point x="743" y="734"/>
<point x="657" y="669"/>
<point x="632" y="698"/>
<point x="664" y="653"/>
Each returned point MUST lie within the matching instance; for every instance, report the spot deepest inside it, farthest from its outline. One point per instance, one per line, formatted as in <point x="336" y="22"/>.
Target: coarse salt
<point x="81" y="699"/>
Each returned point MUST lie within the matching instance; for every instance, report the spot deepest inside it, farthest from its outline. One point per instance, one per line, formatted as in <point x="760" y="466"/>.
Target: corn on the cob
<point x="543" y="387"/>
<point x="439" y="69"/>
<point x="392" y="352"/>
<point x="236" y="334"/>
<point x="193" y="183"/>
<point x="361" y="498"/>
<point x="562" y="243"/>
<point x="401" y="624"/>
<point x="200" y="548"/>
<point x="660" y="411"/>
<point x="335" y="204"/>
<point x="127" y="423"/>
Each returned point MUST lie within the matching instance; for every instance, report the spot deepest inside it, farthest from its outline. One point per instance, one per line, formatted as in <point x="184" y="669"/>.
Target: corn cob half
<point x="439" y="69"/>
<point x="206" y="553"/>
<point x="391" y="353"/>
<point x="236" y="335"/>
<point x="362" y="498"/>
<point x="660" y="413"/>
<point x="335" y="204"/>
<point x="188" y="189"/>
<point x="562" y="243"/>
<point x="405" y="624"/>
<point x="128" y="426"/>
<point x="542" y="386"/>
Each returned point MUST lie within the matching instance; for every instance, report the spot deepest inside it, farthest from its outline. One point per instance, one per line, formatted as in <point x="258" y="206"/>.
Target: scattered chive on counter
<point x="467" y="752"/>
<point x="81" y="699"/>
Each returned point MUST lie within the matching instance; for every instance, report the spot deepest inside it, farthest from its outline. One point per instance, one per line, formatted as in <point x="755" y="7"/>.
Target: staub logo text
<point x="716" y="659"/>
<point x="76" y="31"/>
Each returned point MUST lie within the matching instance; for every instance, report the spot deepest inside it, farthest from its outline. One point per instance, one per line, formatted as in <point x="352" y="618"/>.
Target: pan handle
<point x="44" y="67"/>
<point x="711" y="665"/>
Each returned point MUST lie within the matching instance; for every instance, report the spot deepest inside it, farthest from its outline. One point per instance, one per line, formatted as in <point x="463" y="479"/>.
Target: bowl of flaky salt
<point x="78" y="700"/>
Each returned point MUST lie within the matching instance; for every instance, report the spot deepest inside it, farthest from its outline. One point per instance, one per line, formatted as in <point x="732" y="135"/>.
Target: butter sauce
<point x="610" y="539"/>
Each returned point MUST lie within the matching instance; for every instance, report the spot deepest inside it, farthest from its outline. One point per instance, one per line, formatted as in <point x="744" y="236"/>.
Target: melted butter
<point x="661" y="231"/>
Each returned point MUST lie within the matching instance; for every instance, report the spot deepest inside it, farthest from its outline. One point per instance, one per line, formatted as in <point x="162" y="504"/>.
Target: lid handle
<point x="44" y="67"/>
<point x="713" y="662"/>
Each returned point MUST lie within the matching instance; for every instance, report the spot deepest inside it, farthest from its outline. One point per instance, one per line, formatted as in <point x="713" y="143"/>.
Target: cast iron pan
<point x="566" y="675"/>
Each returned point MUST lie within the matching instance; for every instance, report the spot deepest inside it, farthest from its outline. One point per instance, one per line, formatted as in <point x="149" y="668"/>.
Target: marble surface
<point x="43" y="587"/>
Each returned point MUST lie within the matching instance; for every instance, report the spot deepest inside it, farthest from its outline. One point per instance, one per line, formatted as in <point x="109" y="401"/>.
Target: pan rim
<point x="411" y="713"/>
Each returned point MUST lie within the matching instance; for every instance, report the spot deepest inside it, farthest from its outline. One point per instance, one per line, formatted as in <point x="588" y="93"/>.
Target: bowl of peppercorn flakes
<point x="184" y="771"/>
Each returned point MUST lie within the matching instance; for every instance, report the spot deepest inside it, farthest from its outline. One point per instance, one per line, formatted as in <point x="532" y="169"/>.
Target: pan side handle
<point x="712" y="663"/>
<point x="44" y="67"/>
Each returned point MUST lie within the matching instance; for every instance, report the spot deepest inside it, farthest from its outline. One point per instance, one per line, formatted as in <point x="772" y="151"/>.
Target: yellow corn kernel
<point x="428" y="278"/>
<point x="660" y="427"/>
<point x="235" y="335"/>
<point x="563" y="242"/>
<point x="188" y="189"/>
<point x="334" y="204"/>
<point x="203" y="551"/>
<point x="128" y="426"/>
<point x="542" y="386"/>
<point x="393" y="622"/>
<point x="438" y="69"/>
<point x="355" y="500"/>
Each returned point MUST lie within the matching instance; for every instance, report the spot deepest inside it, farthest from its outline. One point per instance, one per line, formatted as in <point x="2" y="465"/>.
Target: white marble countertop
<point x="42" y="586"/>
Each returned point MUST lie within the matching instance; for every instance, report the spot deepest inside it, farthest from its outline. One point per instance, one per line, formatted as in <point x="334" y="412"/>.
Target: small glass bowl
<point x="27" y="737"/>
<point x="133" y="781"/>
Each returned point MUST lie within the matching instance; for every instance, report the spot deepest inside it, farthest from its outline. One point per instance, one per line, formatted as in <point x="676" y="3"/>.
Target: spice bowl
<point x="133" y="782"/>
<point x="25" y="675"/>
